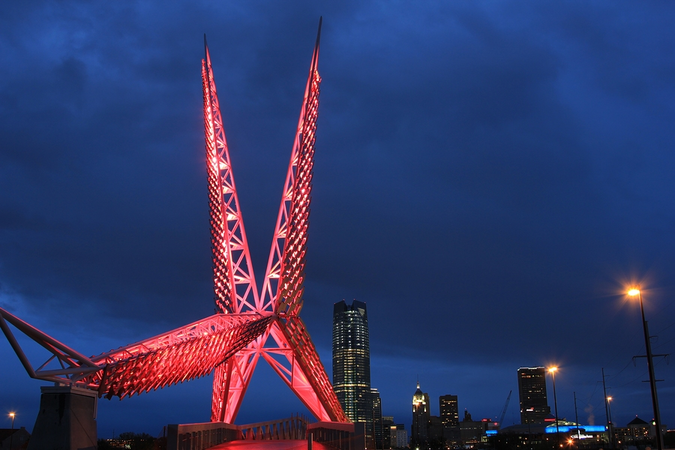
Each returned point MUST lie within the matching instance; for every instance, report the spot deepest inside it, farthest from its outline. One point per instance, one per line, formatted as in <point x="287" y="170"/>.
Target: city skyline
<point x="488" y="179"/>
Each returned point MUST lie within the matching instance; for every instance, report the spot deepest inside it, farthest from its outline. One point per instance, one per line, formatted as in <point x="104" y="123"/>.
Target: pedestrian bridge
<point x="294" y="433"/>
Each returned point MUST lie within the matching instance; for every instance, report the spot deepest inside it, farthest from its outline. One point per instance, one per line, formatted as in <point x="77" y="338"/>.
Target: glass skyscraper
<point x="351" y="362"/>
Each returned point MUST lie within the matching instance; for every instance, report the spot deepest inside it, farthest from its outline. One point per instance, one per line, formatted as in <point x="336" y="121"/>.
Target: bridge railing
<point x="201" y="436"/>
<point x="340" y="436"/>
<point x="292" y="428"/>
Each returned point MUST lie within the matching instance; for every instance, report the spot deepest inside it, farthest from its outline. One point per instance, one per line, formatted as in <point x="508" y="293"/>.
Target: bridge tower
<point x="285" y="344"/>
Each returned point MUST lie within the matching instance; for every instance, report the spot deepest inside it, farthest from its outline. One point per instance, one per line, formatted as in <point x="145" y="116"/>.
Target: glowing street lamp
<point x="610" y="425"/>
<point x="552" y="371"/>
<point x="11" y="436"/>
<point x="650" y="366"/>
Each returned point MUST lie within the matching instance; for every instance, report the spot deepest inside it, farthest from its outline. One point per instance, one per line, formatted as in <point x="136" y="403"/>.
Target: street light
<point x="11" y="436"/>
<point x="650" y="366"/>
<point x="552" y="371"/>
<point x="609" y="420"/>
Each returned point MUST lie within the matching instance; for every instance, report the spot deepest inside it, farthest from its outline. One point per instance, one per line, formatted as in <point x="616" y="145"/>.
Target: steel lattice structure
<point x="247" y="325"/>
<point x="179" y="355"/>
<point x="285" y="345"/>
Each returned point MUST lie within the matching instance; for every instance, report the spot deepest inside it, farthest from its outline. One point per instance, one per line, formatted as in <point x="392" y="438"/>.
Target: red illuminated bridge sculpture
<point x="249" y="324"/>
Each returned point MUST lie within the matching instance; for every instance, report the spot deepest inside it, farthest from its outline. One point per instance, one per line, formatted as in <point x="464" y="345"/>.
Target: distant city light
<point x="583" y="428"/>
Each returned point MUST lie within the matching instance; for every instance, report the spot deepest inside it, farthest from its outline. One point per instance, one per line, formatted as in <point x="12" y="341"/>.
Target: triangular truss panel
<point x="285" y="345"/>
<point x="233" y="278"/>
<point x="246" y="326"/>
<point x="183" y="354"/>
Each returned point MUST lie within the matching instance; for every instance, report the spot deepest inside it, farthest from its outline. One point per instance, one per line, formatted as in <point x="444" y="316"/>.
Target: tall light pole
<point x="611" y="425"/>
<point x="608" y="413"/>
<point x="11" y="436"/>
<point x="576" y="417"/>
<point x="552" y="371"/>
<point x="650" y="366"/>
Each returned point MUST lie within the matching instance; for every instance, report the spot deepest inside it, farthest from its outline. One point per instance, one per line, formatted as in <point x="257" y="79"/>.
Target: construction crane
<point x="506" y="405"/>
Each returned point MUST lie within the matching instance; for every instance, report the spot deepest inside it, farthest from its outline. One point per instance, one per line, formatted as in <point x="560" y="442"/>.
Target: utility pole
<point x="607" y="416"/>
<point x="576" y="418"/>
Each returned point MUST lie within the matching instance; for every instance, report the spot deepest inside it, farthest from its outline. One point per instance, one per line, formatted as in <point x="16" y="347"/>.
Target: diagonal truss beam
<point x="297" y="363"/>
<point x="234" y="281"/>
<point x="70" y="362"/>
<point x="284" y="277"/>
<point x="286" y="345"/>
<point x="247" y="325"/>
<point x="188" y="352"/>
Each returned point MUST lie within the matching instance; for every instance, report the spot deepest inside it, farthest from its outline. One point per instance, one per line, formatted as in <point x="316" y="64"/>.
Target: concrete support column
<point x="66" y="420"/>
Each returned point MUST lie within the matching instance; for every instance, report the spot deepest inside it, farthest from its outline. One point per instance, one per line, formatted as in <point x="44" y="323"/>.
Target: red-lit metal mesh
<point x="233" y="279"/>
<point x="291" y="288"/>
<point x="291" y="229"/>
<point x="222" y="289"/>
<point x="283" y="286"/>
<point x="302" y="369"/>
<point x="183" y="354"/>
<point x="233" y="379"/>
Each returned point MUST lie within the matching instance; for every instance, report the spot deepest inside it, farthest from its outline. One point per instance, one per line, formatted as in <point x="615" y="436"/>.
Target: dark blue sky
<point x="489" y="177"/>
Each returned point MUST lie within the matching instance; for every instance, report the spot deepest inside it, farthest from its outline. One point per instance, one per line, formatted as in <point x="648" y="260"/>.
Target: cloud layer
<point x="488" y="178"/>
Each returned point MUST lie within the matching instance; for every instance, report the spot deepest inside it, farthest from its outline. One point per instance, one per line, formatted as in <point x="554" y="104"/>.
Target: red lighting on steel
<point x="247" y="325"/>
<point x="233" y="278"/>
<point x="183" y="354"/>
<point x="285" y="345"/>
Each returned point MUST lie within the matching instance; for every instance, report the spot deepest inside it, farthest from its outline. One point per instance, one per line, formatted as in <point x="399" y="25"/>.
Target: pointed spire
<point x="318" y="34"/>
<point x="315" y="56"/>
<point x="207" y="56"/>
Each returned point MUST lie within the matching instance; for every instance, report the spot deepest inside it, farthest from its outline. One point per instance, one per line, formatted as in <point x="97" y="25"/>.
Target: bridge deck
<point x="270" y="445"/>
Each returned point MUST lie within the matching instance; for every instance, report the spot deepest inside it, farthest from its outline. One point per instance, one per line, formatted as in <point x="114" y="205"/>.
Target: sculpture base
<point x="66" y="421"/>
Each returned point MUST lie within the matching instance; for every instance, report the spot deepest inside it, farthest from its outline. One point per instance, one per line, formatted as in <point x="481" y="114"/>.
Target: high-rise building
<point x="387" y="422"/>
<point x="435" y="429"/>
<point x="351" y="364"/>
<point x="449" y="417"/>
<point x="398" y="436"/>
<point x="421" y="416"/>
<point x="378" y="433"/>
<point x="532" y="391"/>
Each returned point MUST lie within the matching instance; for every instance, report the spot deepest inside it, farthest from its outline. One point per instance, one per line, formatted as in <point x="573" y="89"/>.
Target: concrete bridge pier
<point x="66" y="420"/>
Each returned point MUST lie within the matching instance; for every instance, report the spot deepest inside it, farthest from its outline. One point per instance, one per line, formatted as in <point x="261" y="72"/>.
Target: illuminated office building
<point x="378" y="422"/>
<point x="351" y="364"/>
<point x="532" y="391"/>
<point x="421" y="416"/>
<point x="449" y="417"/>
